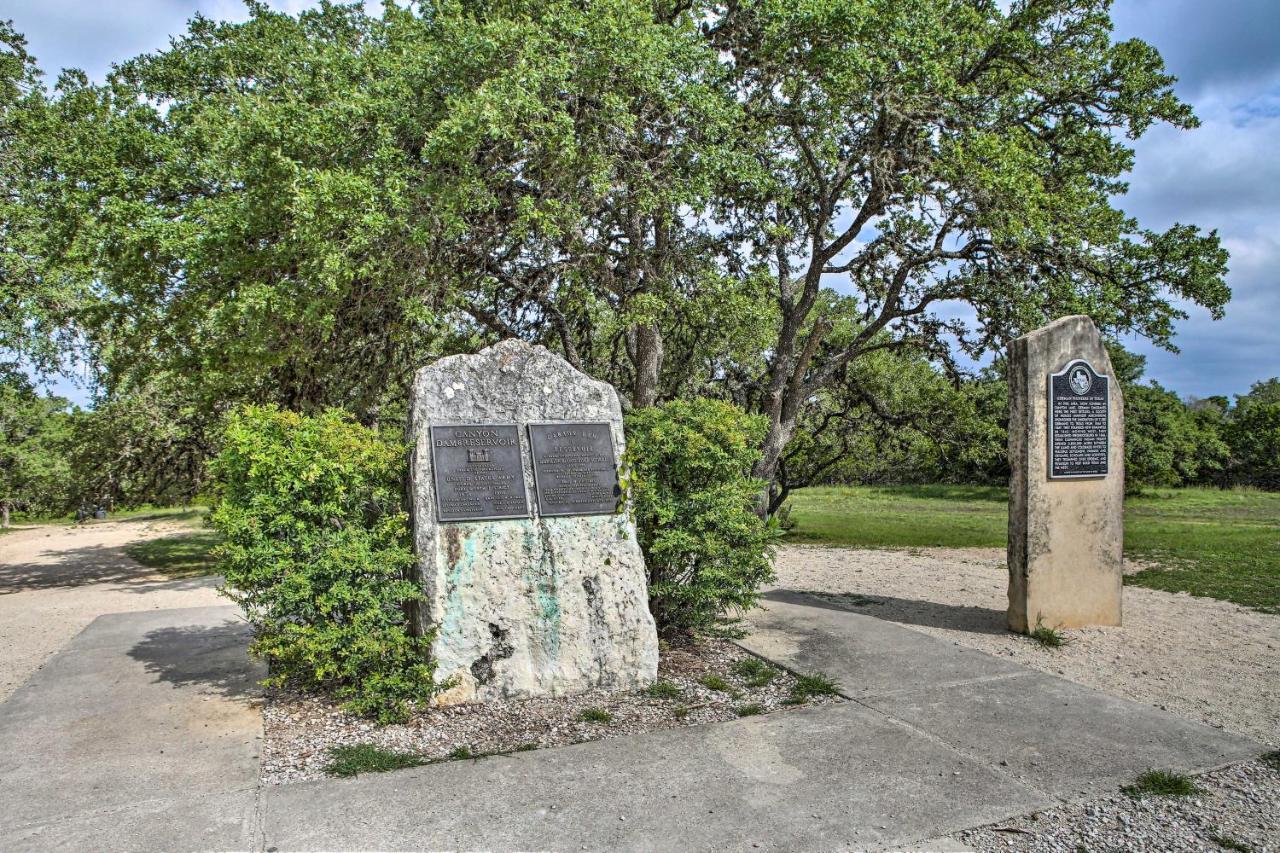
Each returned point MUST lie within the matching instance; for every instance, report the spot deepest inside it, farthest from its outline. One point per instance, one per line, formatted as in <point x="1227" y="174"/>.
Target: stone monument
<point x="1066" y="484"/>
<point x="535" y="584"/>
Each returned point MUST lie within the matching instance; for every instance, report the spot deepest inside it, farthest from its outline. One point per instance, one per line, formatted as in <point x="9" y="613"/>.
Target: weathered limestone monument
<point x="534" y="580"/>
<point x="1066" y="487"/>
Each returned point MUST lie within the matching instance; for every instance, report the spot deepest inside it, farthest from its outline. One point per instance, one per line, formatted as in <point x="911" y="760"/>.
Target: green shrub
<point x="316" y="552"/>
<point x="689" y="475"/>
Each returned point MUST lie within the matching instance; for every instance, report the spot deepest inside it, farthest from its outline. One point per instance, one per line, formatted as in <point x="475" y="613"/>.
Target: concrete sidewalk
<point x="1064" y="740"/>
<point x="142" y="733"/>
<point x="107" y="747"/>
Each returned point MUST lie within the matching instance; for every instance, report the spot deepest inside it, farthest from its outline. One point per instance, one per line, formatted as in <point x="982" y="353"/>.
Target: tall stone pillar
<point x="1066" y="486"/>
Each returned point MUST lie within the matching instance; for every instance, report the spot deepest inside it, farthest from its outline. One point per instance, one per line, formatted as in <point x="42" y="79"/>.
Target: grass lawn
<point x="186" y="555"/>
<point x="1211" y="542"/>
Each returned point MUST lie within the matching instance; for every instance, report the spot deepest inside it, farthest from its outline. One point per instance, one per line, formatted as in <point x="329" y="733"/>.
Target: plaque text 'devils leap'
<point x="574" y="469"/>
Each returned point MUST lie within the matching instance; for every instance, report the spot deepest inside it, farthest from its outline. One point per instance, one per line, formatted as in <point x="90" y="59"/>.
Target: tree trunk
<point x="648" y="364"/>
<point x="4" y="516"/>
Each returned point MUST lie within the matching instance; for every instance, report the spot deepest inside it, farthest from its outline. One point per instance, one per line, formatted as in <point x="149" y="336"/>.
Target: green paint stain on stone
<point x="546" y="588"/>
<point x="459" y="571"/>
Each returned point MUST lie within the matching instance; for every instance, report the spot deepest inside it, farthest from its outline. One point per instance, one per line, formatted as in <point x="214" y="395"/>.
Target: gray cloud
<point x="1207" y="44"/>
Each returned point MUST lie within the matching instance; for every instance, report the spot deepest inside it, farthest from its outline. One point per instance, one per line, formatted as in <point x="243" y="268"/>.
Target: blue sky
<point x="1224" y="175"/>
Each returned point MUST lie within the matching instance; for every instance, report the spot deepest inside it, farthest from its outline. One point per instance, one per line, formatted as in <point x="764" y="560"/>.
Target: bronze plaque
<point x="1079" y="422"/>
<point x="574" y="469"/>
<point x="478" y="472"/>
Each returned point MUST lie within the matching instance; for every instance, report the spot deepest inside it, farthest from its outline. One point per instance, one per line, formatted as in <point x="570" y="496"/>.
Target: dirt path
<point x="54" y="580"/>
<point x="1210" y="661"/>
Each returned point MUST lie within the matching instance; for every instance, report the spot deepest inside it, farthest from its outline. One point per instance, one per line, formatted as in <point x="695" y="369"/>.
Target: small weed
<point x="663" y="689"/>
<point x="1272" y="759"/>
<point x="681" y="711"/>
<point x="717" y="683"/>
<point x="755" y="672"/>
<point x="1226" y="842"/>
<point x="1049" y="638"/>
<point x="595" y="715"/>
<point x="810" y="686"/>
<point x="751" y="709"/>
<point x="461" y="753"/>
<point x="354" y="759"/>
<point x="1161" y="783"/>
<point x="526" y="747"/>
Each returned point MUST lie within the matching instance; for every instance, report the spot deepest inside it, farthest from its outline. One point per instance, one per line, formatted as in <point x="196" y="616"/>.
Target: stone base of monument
<point x="1066" y="486"/>
<point x="535" y="584"/>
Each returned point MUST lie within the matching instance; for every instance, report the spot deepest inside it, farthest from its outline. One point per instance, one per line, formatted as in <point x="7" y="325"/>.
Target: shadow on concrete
<point x="90" y="564"/>
<point x="904" y="611"/>
<point x="214" y="658"/>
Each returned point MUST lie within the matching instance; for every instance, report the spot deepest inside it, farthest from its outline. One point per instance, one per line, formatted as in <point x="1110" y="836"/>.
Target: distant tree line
<point x="898" y="419"/>
<point x="902" y="420"/>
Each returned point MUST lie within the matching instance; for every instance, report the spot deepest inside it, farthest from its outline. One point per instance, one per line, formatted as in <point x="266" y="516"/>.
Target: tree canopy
<point x="744" y="200"/>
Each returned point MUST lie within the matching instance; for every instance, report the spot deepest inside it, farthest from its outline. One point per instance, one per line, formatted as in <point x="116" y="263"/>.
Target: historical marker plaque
<point x="574" y="469"/>
<point x="478" y="472"/>
<point x="1079" y="422"/>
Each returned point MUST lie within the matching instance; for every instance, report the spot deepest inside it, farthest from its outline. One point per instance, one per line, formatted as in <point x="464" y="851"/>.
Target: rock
<point x="536" y="606"/>
<point x="1066" y="536"/>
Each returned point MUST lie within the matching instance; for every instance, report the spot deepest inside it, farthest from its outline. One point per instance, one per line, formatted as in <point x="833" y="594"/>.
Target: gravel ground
<point x="55" y="580"/>
<point x="1238" y="809"/>
<point x="300" y="729"/>
<point x="1207" y="660"/>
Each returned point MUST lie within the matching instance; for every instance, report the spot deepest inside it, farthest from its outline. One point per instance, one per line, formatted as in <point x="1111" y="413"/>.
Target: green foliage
<point x="34" y="307"/>
<point x="896" y="418"/>
<point x="354" y="759"/>
<point x="751" y="709"/>
<point x="1161" y="783"/>
<point x="706" y="550"/>
<point x="812" y="686"/>
<point x="1253" y="434"/>
<point x="717" y="683"/>
<point x="301" y="209"/>
<point x="755" y="672"/>
<point x="595" y="715"/>
<point x="144" y="444"/>
<point x="316" y="553"/>
<point x="183" y="556"/>
<point x="35" y="475"/>
<point x="1048" y="637"/>
<point x="663" y="689"/>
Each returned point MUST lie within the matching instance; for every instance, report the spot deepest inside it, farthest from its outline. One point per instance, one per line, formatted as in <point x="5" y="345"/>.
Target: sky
<point x="1223" y="175"/>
